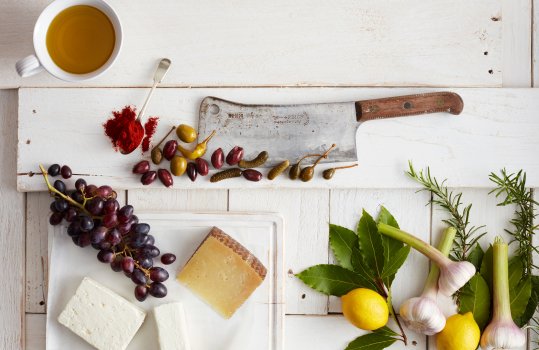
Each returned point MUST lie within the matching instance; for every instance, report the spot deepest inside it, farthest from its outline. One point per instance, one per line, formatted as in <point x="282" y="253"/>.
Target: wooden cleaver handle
<point x="402" y="106"/>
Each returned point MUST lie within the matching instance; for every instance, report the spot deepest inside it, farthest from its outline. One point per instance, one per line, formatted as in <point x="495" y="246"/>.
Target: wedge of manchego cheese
<point x="222" y="272"/>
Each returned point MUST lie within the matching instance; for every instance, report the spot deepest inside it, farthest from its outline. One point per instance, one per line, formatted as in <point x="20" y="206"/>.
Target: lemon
<point x="365" y="309"/>
<point x="461" y="332"/>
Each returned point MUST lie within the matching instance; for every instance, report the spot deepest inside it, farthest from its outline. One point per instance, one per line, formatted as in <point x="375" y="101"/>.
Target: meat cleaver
<point x="291" y="131"/>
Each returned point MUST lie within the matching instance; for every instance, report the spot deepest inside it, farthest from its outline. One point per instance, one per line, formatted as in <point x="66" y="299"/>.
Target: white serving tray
<point x="258" y="324"/>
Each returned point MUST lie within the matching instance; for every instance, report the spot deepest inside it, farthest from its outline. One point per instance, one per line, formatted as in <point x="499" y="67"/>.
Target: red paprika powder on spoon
<point x="125" y="129"/>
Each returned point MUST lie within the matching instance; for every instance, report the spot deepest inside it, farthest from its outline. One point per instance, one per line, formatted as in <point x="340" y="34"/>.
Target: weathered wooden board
<point x="186" y="200"/>
<point x="305" y="213"/>
<point x="35" y="331"/>
<point x="516" y="19"/>
<point x="535" y="44"/>
<point x="498" y="128"/>
<point x="37" y="262"/>
<point x="12" y="240"/>
<point x="277" y="43"/>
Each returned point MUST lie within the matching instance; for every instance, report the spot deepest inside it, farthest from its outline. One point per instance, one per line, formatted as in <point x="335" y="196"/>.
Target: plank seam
<point x="23" y="291"/>
<point x="532" y="47"/>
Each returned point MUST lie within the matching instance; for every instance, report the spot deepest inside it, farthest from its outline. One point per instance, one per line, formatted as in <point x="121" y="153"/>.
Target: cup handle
<point x="28" y="66"/>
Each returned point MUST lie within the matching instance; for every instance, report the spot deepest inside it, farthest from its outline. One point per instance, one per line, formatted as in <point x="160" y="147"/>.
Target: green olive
<point x="157" y="155"/>
<point x="307" y="173"/>
<point x="178" y="165"/>
<point x="186" y="133"/>
<point x="294" y="172"/>
<point x="328" y="173"/>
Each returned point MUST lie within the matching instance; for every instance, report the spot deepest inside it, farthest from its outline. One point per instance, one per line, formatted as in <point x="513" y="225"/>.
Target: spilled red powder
<point x="149" y="127"/>
<point x="125" y="132"/>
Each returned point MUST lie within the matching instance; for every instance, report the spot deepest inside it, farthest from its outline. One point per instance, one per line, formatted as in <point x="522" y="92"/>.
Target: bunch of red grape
<point x="95" y="218"/>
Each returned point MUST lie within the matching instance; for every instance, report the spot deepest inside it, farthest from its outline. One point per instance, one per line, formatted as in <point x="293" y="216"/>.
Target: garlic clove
<point x="422" y="315"/>
<point x="502" y="335"/>
<point x="455" y="275"/>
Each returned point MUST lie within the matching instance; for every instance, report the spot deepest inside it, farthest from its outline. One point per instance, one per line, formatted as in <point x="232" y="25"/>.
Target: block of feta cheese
<point x="222" y="272"/>
<point x="101" y="317"/>
<point x="171" y="327"/>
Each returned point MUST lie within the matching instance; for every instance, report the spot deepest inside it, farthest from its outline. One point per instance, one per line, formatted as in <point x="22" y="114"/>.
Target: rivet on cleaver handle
<point x="401" y="106"/>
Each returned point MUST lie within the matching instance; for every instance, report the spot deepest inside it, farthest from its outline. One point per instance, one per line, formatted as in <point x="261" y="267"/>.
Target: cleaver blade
<point x="292" y="131"/>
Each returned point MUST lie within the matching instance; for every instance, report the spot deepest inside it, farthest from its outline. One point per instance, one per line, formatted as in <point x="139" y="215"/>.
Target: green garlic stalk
<point x="453" y="274"/>
<point x="422" y="314"/>
<point x="502" y="332"/>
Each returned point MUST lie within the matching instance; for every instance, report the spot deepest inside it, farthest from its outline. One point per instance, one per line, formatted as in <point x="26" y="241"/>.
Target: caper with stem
<point x="157" y="153"/>
<point x="295" y="169"/>
<point x="328" y="173"/>
<point x="307" y="173"/>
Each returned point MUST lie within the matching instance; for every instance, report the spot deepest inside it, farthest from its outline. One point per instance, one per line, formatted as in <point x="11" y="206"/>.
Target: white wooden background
<point x="344" y="43"/>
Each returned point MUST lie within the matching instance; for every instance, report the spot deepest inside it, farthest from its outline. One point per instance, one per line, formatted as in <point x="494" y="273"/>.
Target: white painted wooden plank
<point x="35" y="331"/>
<point x="12" y="240"/>
<point x="174" y="200"/>
<point x="484" y="212"/>
<point x="306" y="214"/>
<point x="498" y="127"/>
<point x="280" y="43"/>
<point x="535" y="43"/>
<point x="516" y="19"/>
<point x="412" y="214"/>
<point x="332" y="332"/>
<point x="37" y="222"/>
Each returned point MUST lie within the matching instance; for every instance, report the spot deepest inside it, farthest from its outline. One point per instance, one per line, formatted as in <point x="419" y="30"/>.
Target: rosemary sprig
<point x="466" y="237"/>
<point x="513" y="188"/>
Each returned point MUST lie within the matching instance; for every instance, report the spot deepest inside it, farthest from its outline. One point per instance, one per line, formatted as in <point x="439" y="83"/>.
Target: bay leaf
<point x="370" y="244"/>
<point x="332" y="279"/>
<point x="516" y="270"/>
<point x="533" y="302"/>
<point x="474" y="297"/>
<point x="371" y="341"/>
<point x="343" y="242"/>
<point x="363" y="270"/>
<point x="520" y="295"/>
<point x="391" y="246"/>
<point x="476" y="256"/>
<point x="392" y="266"/>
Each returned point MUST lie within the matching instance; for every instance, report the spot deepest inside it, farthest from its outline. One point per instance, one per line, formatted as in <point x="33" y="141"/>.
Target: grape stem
<point x="126" y="251"/>
<point x="55" y="191"/>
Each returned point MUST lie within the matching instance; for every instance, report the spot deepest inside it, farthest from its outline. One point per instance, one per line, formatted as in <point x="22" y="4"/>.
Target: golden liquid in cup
<point x="80" y="39"/>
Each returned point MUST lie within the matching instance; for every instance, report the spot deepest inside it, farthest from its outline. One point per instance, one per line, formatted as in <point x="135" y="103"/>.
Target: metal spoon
<point x="160" y="72"/>
<point x="158" y="76"/>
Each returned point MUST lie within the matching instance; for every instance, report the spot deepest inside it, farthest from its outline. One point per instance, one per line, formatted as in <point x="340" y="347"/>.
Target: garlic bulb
<point x="502" y="333"/>
<point x="422" y="314"/>
<point x="453" y="274"/>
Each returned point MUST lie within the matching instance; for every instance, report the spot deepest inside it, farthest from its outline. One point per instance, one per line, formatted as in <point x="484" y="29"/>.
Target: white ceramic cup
<point x="34" y="64"/>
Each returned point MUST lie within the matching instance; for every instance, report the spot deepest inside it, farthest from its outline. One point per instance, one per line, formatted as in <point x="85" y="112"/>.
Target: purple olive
<point x="252" y="174"/>
<point x="202" y="166"/>
<point x="234" y="156"/>
<point x="148" y="177"/>
<point x="218" y="158"/>
<point x="170" y="148"/>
